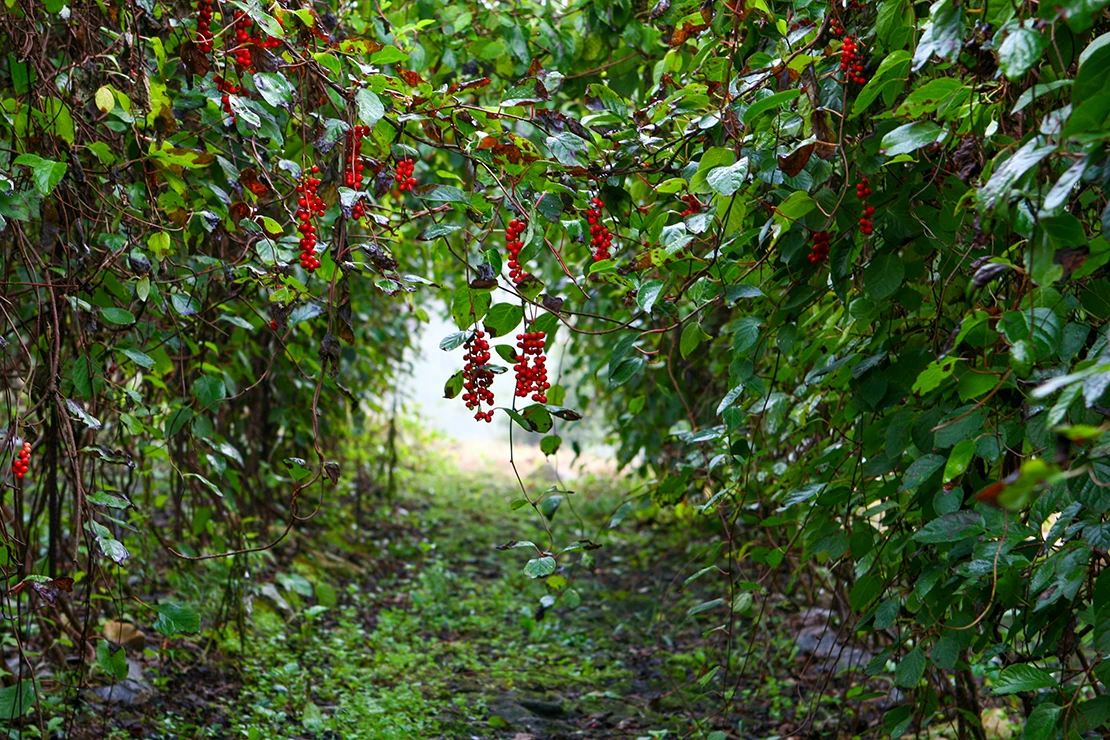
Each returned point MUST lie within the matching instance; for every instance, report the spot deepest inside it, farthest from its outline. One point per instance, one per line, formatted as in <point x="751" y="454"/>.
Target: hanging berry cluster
<point x="404" y="178"/>
<point x="819" y="252"/>
<point x="851" y="61"/>
<point x="692" y="205"/>
<point x="477" y="377"/>
<point x="309" y="204"/>
<point x="600" y="236"/>
<point x="204" y="26"/>
<point x="354" y="156"/>
<point x="835" y="28"/>
<point x="354" y="166"/>
<point x="863" y="190"/>
<point x="531" y="366"/>
<point x="22" y="463"/>
<point x="227" y="89"/>
<point x="243" y="39"/>
<point x="513" y="245"/>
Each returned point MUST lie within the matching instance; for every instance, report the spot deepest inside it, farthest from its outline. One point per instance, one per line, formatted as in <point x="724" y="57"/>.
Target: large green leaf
<point x="1022" y="677"/>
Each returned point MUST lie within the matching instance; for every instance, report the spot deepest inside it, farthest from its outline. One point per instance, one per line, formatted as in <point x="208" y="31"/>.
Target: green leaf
<point x="951" y="527"/>
<point x="692" y="336"/>
<point x="894" y="25"/>
<point x="705" y="606"/>
<point x="540" y="567"/>
<point x="119" y="316"/>
<point x="1002" y="181"/>
<point x="86" y="418"/>
<point x="389" y="55"/>
<point x="943" y="35"/>
<point x="109" y="545"/>
<point x="549" y="506"/>
<point x="274" y="88"/>
<point x="959" y="459"/>
<point x="712" y="158"/>
<point x="864" y="591"/>
<point x="550" y="445"/>
<point x="770" y="102"/>
<point x="727" y="180"/>
<point x="624" y="370"/>
<point x="566" y="148"/>
<point x="1036" y="91"/>
<point x="612" y="102"/>
<point x="944" y="91"/>
<point x="911" y="668"/>
<point x="114" y="663"/>
<point x="100" y="498"/>
<point x="452" y="341"/>
<point x="648" y="293"/>
<point x="434" y="231"/>
<point x="185" y="305"/>
<point x="139" y="358"/>
<point x="46" y="173"/>
<point x="370" y="108"/>
<point x="18" y="699"/>
<point x="958" y="426"/>
<point x="208" y="389"/>
<point x="1022" y="677"/>
<point x="469" y="306"/>
<point x="889" y="79"/>
<point x="1041" y="724"/>
<point x="174" y="619"/>
<point x="1081" y="14"/>
<point x="1040" y="326"/>
<point x="884" y="276"/>
<point x="503" y="318"/>
<point x="910" y="137"/>
<point x="446" y="194"/>
<point x="523" y="93"/>
<point x="537" y="418"/>
<point x="1020" y="50"/>
<point x="105" y="100"/>
<point x="746" y="335"/>
<point x="1022" y="358"/>
<point x="920" y="470"/>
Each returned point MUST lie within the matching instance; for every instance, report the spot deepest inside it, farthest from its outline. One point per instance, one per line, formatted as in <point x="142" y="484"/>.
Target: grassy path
<point x="416" y="626"/>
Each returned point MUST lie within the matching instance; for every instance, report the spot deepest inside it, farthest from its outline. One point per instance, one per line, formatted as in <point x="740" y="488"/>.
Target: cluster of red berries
<point x="819" y="252"/>
<point x="513" y="245"/>
<point x="308" y="205"/>
<point x="692" y="205"/>
<point x="600" y="236"/>
<point x="862" y="191"/>
<point x="835" y="28"/>
<point x="851" y="61"/>
<point x="204" y="26"/>
<point x="354" y="155"/>
<point x="477" y="377"/>
<point x="404" y="178"/>
<point x="23" y="462"/>
<point x="227" y="89"/>
<point x="353" y="176"/>
<point x="243" y="39"/>
<point x="531" y="378"/>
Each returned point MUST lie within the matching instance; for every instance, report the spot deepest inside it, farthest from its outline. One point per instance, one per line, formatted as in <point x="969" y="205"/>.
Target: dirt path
<point x="416" y="622"/>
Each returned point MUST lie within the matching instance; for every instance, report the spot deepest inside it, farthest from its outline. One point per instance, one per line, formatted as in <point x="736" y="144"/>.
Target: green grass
<point x="423" y="652"/>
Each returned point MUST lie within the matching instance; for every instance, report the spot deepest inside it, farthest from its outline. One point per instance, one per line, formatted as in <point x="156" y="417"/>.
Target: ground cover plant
<point x="832" y="277"/>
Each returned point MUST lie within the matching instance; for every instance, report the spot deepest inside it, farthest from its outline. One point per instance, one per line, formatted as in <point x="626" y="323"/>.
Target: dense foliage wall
<point x="840" y="268"/>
